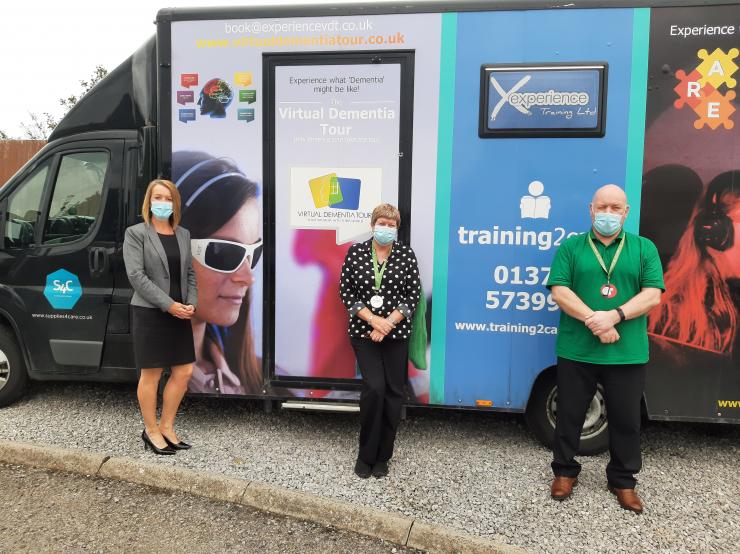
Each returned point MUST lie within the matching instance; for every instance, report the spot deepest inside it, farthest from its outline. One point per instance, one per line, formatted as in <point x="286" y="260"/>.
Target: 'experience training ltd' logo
<point x="331" y="191"/>
<point x="524" y="101"/>
<point x="700" y="89"/>
<point x="63" y="289"/>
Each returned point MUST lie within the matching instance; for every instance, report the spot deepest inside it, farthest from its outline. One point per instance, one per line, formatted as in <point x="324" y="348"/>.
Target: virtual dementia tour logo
<point x="332" y="191"/>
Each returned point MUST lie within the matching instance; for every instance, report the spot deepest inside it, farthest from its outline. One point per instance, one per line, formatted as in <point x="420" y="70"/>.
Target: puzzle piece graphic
<point x="718" y="67"/>
<point x="689" y="90"/>
<point x="716" y="110"/>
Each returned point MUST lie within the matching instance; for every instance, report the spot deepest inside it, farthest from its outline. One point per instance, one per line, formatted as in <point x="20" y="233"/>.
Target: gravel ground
<point x="480" y="472"/>
<point x="46" y="511"/>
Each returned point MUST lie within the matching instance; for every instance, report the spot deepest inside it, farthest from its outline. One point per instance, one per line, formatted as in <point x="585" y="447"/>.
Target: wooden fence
<point x="14" y="153"/>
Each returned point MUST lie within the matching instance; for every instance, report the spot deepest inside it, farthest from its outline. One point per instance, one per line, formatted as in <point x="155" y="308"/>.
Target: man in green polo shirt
<point x="605" y="282"/>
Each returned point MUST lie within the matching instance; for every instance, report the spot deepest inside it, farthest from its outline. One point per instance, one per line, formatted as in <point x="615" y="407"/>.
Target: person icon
<point x="534" y="205"/>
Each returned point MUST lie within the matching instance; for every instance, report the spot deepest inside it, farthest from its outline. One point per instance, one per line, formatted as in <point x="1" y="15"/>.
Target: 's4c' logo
<point x="62" y="290"/>
<point x="700" y="88"/>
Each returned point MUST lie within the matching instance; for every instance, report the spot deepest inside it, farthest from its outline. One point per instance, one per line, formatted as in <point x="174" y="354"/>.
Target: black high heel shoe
<point x="166" y="451"/>
<point x="179" y="446"/>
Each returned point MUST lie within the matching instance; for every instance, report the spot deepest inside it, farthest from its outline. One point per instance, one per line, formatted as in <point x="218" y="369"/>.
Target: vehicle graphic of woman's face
<point x="728" y="261"/>
<point x="220" y="294"/>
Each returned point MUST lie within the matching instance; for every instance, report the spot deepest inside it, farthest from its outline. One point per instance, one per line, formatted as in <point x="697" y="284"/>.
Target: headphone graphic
<point x="712" y="226"/>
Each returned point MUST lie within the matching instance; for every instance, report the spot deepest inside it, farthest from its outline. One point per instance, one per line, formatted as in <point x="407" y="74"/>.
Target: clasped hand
<point x="381" y="328"/>
<point x="601" y="324"/>
<point x="182" y="311"/>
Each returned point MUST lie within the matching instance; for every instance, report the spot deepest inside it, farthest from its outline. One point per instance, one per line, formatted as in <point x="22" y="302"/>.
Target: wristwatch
<point x="621" y="314"/>
<point x="370" y="319"/>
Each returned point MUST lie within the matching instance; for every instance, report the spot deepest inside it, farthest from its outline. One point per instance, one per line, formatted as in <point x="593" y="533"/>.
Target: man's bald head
<point x="609" y="194"/>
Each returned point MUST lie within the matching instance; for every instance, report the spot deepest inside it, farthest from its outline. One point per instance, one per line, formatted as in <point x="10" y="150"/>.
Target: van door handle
<point x="98" y="261"/>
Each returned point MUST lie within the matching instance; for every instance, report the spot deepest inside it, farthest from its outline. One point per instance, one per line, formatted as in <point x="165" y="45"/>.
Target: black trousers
<point x="383" y="368"/>
<point x="623" y="389"/>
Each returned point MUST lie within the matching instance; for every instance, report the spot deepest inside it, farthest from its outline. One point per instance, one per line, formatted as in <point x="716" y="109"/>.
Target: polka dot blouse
<point x="400" y="287"/>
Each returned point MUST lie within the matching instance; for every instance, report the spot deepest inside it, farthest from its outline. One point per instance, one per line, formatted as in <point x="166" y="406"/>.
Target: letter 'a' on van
<point x="284" y="129"/>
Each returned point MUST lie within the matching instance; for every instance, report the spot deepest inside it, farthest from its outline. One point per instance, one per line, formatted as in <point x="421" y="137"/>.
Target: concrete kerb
<point x="207" y="485"/>
<point x="437" y="538"/>
<point x="328" y="511"/>
<point x="363" y="520"/>
<point x="50" y="457"/>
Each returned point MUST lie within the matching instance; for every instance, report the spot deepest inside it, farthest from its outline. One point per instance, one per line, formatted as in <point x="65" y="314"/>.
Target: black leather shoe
<point x="380" y="470"/>
<point x="166" y="451"/>
<point x="362" y="470"/>
<point x="179" y="446"/>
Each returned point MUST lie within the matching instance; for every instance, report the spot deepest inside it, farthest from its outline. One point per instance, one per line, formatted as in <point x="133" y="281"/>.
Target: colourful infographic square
<point x="186" y="115"/>
<point x="185" y="97"/>
<point x="243" y="78"/>
<point x="188" y="80"/>
<point x="248" y="95"/>
<point x="245" y="114"/>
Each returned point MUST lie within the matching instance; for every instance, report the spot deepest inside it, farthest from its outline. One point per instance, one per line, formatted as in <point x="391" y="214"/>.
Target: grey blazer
<point x="148" y="270"/>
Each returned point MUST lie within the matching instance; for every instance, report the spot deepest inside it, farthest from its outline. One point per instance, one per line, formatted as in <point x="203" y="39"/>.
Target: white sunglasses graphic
<point x="225" y="256"/>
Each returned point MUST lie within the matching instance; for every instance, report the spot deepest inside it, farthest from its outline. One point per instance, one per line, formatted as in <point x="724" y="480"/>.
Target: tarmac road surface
<point x="47" y="511"/>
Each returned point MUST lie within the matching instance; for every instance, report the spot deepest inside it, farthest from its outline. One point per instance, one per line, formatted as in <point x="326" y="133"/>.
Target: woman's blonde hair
<point x="146" y="207"/>
<point x="387" y="211"/>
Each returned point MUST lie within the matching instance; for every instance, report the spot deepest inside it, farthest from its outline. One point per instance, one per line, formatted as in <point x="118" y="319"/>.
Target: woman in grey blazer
<point x="159" y="267"/>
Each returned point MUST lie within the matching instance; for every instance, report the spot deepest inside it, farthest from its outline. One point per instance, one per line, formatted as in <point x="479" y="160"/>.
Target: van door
<point x="60" y="230"/>
<point x="118" y="355"/>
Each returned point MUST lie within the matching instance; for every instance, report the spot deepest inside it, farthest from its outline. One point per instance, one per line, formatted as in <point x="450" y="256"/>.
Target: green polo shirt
<point x="575" y="266"/>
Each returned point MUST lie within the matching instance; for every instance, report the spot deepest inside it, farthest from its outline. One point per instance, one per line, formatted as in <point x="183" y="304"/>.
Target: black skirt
<point x="161" y="339"/>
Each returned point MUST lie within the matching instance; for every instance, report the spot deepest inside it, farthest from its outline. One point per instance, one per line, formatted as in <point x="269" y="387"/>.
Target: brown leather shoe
<point x="562" y="487"/>
<point x="628" y="499"/>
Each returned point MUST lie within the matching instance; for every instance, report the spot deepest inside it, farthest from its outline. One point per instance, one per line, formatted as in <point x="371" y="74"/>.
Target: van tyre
<point x="542" y="411"/>
<point x="13" y="374"/>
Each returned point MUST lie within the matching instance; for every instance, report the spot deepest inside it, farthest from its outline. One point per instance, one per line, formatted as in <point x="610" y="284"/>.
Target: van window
<point x="24" y="208"/>
<point x="77" y="198"/>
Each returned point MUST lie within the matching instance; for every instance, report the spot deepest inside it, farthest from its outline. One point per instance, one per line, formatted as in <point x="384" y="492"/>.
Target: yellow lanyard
<point x="601" y="260"/>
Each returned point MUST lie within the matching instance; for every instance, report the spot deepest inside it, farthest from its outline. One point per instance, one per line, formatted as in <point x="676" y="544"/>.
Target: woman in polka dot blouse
<point x="380" y="288"/>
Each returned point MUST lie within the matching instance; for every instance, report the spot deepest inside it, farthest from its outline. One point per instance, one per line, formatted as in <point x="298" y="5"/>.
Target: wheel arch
<point x="544" y="374"/>
<point x="7" y="321"/>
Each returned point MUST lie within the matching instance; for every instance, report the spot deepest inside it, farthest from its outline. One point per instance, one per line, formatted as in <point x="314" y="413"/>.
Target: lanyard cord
<point x="379" y="274"/>
<point x="601" y="260"/>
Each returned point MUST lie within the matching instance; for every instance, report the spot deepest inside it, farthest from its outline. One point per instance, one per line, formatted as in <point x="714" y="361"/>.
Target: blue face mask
<point x="162" y="210"/>
<point x="607" y="224"/>
<point x="385" y="235"/>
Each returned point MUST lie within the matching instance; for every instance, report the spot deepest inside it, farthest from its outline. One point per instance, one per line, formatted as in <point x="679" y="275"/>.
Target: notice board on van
<point x="543" y="100"/>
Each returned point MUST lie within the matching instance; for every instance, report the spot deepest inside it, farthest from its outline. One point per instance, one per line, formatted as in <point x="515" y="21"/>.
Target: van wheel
<point x="13" y="375"/>
<point x="542" y="410"/>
